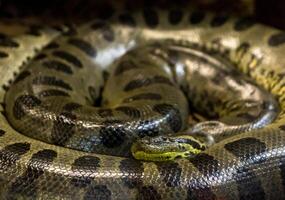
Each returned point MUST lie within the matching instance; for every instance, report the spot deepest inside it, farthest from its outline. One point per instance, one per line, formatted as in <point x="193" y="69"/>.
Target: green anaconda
<point x="68" y="149"/>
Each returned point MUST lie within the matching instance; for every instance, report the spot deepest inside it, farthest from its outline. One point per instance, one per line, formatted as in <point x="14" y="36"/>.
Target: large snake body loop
<point x="51" y="100"/>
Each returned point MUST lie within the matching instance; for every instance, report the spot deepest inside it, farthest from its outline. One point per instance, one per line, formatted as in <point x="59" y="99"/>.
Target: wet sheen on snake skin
<point x="240" y="167"/>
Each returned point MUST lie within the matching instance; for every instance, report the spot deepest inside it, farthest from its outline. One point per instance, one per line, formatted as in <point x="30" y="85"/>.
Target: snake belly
<point x="246" y="166"/>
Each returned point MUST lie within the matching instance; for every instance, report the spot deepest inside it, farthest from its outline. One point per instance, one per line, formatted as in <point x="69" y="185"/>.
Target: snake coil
<point x="50" y="101"/>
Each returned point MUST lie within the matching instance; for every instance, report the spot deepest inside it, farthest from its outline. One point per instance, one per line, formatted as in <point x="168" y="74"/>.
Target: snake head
<point x="165" y="148"/>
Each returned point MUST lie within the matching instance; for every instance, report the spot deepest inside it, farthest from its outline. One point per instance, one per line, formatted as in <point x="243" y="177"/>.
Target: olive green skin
<point x="249" y="165"/>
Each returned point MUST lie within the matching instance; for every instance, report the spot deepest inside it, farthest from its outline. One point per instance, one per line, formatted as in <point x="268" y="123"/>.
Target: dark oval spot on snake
<point x="89" y="163"/>
<point x="8" y="42"/>
<point x="196" y="17"/>
<point x="58" y="66"/>
<point x="52" y="92"/>
<point x="143" y="82"/>
<point x="24" y="103"/>
<point x="51" y="81"/>
<point x="175" y="16"/>
<point x="138" y="83"/>
<point x="25" y="184"/>
<point x="17" y="148"/>
<point x="3" y="54"/>
<point x="277" y="39"/>
<point x="22" y="76"/>
<point x="68" y="57"/>
<point x="125" y="66"/>
<point x="245" y="188"/>
<point x="150" y="17"/>
<point x="81" y="181"/>
<point x="36" y="165"/>
<point x="11" y="153"/>
<point x="2" y="132"/>
<point x="162" y="80"/>
<point x="244" y="23"/>
<point x="46" y="155"/>
<point x="112" y="134"/>
<point x="282" y="127"/>
<point x="219" y="20"/>
<point x="135" y="169"/>
<point x="86" y="162"/>
<point x="246" y="148"/>
<point x="170" y="173"/>
<point x="206" y="164"/>
<point x="173" y="115"/>
<point x="83" y="46"/>
<point x="148" y="193"/>
<point x="40" y="56"/>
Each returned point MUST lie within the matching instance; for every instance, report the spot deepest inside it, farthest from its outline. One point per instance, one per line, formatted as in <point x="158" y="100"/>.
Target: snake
<point x="141" y="69"/>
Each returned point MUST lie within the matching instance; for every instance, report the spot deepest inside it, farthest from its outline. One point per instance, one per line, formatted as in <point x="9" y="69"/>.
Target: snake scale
<point x="50" y="100"/>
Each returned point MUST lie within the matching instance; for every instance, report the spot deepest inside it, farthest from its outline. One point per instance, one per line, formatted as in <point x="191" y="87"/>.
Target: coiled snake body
<point x="51" y="101"/>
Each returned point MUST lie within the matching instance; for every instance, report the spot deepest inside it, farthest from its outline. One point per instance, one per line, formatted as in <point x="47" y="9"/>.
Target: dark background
<point x="268" y="12"/>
